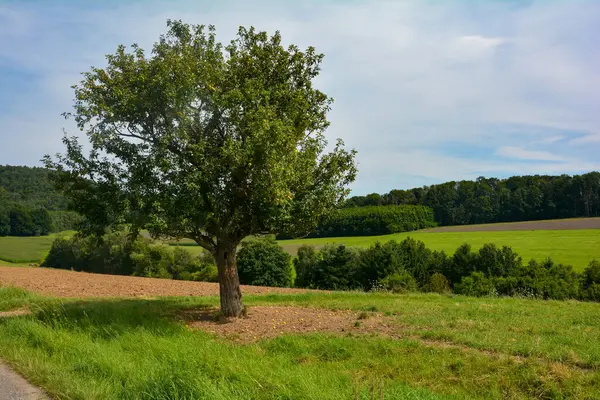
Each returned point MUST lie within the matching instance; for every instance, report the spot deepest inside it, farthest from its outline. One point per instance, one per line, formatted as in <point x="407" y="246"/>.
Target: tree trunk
<point x="229" y="282"/>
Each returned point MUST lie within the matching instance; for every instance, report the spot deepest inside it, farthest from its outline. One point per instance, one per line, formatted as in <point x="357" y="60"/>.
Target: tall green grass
<point x="133" y="349"/>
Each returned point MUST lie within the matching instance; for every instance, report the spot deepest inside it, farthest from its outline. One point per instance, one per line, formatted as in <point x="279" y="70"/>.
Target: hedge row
<point x="375" y="220"/>
<point x="116" y="254"/>
<point x="409" y="265"/>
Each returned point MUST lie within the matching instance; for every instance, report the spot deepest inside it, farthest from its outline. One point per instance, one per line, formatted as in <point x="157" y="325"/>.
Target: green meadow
<point x="444" y="347"/>
<point x="574" y="247"/>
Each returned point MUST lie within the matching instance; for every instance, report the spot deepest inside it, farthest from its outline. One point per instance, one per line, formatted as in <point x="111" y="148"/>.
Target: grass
<point x="574" y="247"/>
<point x="20" y="250"/>
<point x="452" y="347"/>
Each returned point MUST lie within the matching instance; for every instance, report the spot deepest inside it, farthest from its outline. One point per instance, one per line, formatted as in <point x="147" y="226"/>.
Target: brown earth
<point x="557" y="224"/>
<point x="264" y="322"/>
<point x="62" y="283"/>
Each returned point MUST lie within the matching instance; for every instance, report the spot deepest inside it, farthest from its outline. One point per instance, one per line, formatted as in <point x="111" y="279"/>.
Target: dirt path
<point x="14" y="387"/>
<point x="558" y="224"/>
<point x="62" y="283"/>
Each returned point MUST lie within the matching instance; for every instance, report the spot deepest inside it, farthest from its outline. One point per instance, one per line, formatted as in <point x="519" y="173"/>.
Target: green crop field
<point x="437" y="347"/>
<point x="574" y="247"/>
<point x="26" y="249"/>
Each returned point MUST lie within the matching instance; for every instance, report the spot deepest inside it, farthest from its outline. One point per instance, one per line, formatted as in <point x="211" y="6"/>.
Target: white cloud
<point x="524" y="154"/>
<point x="408" y="77"/>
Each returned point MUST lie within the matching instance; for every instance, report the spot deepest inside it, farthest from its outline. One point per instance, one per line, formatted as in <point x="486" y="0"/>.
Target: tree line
<point x="372" y="220"/>
<point x="30" y="205"/>
<point x="488" y="200"/>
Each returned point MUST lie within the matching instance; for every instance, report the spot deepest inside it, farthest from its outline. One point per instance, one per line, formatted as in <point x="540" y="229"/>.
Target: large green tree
<point x="205" y="141"/>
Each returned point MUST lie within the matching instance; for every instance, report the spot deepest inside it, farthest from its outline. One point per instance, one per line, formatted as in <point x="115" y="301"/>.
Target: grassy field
<point x="21" y="250"/>
<point x="445" y="347"/>
<point x="575" y="247"/>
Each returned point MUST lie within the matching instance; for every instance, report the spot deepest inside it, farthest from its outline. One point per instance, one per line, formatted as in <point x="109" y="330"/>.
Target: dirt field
<point x="558" y="224"/>
<point x="61" y="283"/>
<point x="272" y="321"/>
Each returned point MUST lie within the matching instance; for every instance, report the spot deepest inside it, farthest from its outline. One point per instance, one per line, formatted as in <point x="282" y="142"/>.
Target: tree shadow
<point x="108" y="318"/>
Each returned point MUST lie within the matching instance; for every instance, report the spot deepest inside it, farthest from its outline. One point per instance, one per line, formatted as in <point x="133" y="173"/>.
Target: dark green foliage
<point x="28" y="202"/>
<point x="497" y="262"/>
<point x="416" y="259"/>
<point x="399" y="282"/>
<point x="546" y="280"/>
<point x="476" y="284"/>
<point x="305" y="263"/>
<point x="65" y="220"/>
<point x="487" y="200"/>
<point x="264" y="263"/>
<point x="590" y="282"/>
<point x="334" y="267"/>
<point x="377" y="262"/>
<point x="367" y="221"/>
<point x="117" y="254"/>
<point x="21" y="223"/>
<point x="31" y="187"/>
<point x="463" y="263"/>
<point x="438" y="283"/>
<point x="42" y="221"/>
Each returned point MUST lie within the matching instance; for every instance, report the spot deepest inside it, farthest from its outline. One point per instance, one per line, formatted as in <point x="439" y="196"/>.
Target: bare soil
<point x="557" y="224"/>
<point x="264" y="322"/>
<point x="62" y="283"/>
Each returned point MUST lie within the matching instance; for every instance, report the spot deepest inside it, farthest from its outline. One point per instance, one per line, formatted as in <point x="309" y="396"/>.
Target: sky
<point x="426" y="91"/>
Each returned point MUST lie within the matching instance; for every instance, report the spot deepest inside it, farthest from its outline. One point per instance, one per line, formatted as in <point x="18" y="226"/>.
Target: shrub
<point x="65" y="220"/>
<point x="62" y="255"/>
<point x="462" y="264"/>
<point x="305" y="263"/>
<point x="415" y="258"/>
<point x="493" y="261"/>
<point x="438" y="283"/>
<point x="116" y="253"/>
<point x="476" y="284"/>
<point x="335" y="268"/>
<point x="378" y="262"/>
<point x="547" y="280"/>
<point x="264" y="263"/>
<point x="399" y="282"/>
<point x="590" y="282"/>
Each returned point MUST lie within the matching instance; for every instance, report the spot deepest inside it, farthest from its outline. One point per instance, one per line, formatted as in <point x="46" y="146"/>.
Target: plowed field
<point x="61" y="283"/>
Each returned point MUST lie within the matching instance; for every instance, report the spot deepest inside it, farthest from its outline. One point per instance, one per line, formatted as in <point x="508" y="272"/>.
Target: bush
<point x="590" y="282"/>
<point x="305" y="263"/>
<point x="438" y="283"/>
<point x="546" y="280"/>
<point x="373" y="220"/>
<point x="116" y="253"/>
<point x="462" y="264"/>
<point x="399" y="282"/>
<point x="493" y="261"/>
<point x="334" y="267"/>
<point x="65" y="220"/>
<point x="378" y="262"/>
<point x="264" y="263"/>
<point x="476" y="284"/>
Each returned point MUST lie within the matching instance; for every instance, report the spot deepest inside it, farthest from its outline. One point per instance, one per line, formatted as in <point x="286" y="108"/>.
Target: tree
<point x="204" y="141"/>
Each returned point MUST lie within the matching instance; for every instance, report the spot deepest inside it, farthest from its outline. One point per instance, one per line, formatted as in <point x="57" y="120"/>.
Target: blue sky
<point x="426" y="91"/>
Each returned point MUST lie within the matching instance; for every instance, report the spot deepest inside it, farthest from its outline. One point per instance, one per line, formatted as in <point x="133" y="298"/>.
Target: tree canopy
<point x="205" y="141"/>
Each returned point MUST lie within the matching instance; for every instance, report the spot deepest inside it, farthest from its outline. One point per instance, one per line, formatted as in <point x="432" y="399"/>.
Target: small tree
<point x="204" y="141"/>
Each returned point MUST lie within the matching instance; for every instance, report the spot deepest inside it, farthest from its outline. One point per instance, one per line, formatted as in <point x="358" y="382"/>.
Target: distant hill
<point x="30" y="187"/>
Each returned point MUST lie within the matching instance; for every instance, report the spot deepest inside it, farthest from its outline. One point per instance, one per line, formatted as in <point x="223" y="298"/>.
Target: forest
<point x="30" y="205"/>
<point x="489" y="200"/>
